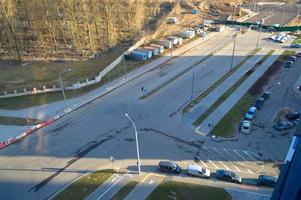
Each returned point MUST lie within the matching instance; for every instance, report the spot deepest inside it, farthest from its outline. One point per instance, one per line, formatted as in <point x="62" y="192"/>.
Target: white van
<point x="195" y="170"/>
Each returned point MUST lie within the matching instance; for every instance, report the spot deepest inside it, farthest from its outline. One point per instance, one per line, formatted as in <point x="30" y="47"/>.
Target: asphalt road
<point x="83" y="140"/>
<point x="274" y="14"/>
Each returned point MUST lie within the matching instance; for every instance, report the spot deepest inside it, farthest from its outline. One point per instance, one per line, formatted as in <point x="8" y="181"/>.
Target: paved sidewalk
<point x="227" y="105"/>
<point x="49" y="110"/>
<point x="110" y="187"/>
<point x="192" y="115"/>
<point x="145" y="187"/>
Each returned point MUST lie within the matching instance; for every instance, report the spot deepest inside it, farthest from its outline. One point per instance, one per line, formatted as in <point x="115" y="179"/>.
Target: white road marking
<point x="151" y="182"/>
<point x="204" y="164"/>
<point x="251" y="172"/>
<point x="216" y="167"/>
<point x="110" y="187"/>
<point x="250" y="156"/>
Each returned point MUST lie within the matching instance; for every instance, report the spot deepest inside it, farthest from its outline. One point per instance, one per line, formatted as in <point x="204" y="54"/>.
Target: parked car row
<point x="282" y="38"/>
<point x="290" y="60"/>
<point x="258" y="104"/>
<point x="220" y="174"/>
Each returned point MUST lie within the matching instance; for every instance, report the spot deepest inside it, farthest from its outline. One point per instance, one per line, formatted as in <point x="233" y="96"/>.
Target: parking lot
<point x="283" y="98"/>
<point x="240" y="161"/>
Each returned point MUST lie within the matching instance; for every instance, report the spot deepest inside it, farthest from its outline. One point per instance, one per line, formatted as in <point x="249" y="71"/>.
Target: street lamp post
<point x="232" y="58"/>
<point x="137" y="144"/>
<point x="192" y="85"/>
<point x="261" y="22"/>
<point x="255" y="5"/>
<point x="63" y="91"/>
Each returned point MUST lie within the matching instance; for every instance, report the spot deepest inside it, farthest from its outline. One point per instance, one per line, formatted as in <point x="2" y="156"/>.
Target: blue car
<point x="251" y="112"/>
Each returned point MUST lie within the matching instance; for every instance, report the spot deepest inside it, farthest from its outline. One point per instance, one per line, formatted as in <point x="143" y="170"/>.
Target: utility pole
<point x="232" y="58"/>
<point x="255" y="5"/>
<point x="137" y="144"/>
<point x="124" y="67"/>
<point x="261" y="22"/>
<point x="192" y="85"/>
<point x="298" y="10"/>
<point x="63" y="91"/>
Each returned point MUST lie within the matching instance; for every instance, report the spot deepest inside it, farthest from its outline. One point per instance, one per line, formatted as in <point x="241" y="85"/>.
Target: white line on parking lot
<point x="226" y="158"/>
<point x="250" y="156"/>
<point x="216" y="167"/>
<point x="243" y="159"/>
<point x="204" y="163"/>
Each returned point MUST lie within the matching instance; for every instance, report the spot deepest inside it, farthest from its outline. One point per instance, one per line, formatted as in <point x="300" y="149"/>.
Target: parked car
<point x="259" y="103"/>
<point x="292" y="58"/>
<point x="298" y="54"/>
<point x="169" y="167"/>
<point x="195" y="170"/>
<point x="227" y="175"/>
<point x="296" y="45"/>
<point x="284" y="125"/>
<point x="251" y="112"/>
<point x="246" y="126"/>
<point x="172" y="20"/>
<point x="266" y="95"/>
<point x="293" y="115"/>
<point x="288" y="64"/>
<point x="265" y="180"/>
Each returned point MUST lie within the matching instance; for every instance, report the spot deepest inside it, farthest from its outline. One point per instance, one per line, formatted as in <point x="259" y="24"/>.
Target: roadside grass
<point x="298" y="39"/>
<point x="203" y="94"/>
<point x="18" y="121"/>
<point x="16" y="76"/>
<point x="123" y="192"/>
<point x="230" y="90"/>
<point x="15" y="103"/>
<point x="83" y="187"/>
<point x="227" y="125"/>
<point x="176" y="190"/>
<point x="286" y="54"/>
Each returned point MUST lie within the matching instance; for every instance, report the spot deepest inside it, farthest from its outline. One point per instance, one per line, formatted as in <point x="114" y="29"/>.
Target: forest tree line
<point x="70" y="28"/>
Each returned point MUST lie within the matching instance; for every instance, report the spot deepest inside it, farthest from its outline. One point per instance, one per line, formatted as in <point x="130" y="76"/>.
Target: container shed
<point x="153" y="49"/>
<point x="159" y="47"/>
<point x="167" y="44"/>
<point x="137" y="55"/>
<point x="148" y="53"/>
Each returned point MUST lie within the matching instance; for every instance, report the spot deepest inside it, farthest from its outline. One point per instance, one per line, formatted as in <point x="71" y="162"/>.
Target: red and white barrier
<point x="28" y="131"/>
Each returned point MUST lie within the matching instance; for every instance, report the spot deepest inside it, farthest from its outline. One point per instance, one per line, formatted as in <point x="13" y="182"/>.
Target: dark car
<point x="298" y="54"/>
<point x="169" y="167"/>
<point x="296" y="45"/>
<point x="292" y="116"/>
<point x="288" y="64"/>
<point x="227" y="175"/>
<point x="265" y="180"/>
<point x="266" y="95"/>
<point x="292" y="58"/>
<point x="284" y="125"/>
<point x="259" y="103"/>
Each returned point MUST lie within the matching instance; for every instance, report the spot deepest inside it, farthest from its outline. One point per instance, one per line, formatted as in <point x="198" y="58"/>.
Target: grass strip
<point x="174" y="78"/>
<point x="15" y="103"/>
<point x="218" y="82"/>
<point x="18" y="121"/>
<point x="178" y="190"/>
<point x="83" y="187"/>
<point x="230" y="91"/>
<point x="123" y="192"/>
<point x="226" y="126"/>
